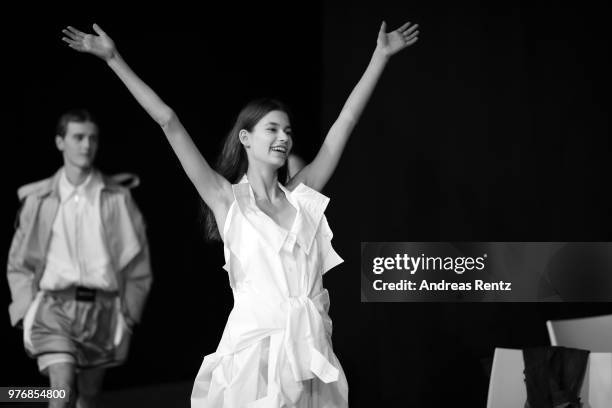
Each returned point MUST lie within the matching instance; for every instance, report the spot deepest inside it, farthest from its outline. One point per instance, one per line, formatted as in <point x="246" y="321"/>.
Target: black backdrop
<point x="493" y="127"/>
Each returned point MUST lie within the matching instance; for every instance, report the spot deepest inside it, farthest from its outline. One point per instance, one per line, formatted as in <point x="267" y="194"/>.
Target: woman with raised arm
<point x="276" y="347"/>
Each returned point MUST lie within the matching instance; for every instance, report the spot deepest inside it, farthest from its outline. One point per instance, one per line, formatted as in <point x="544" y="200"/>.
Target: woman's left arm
<point x="318" y="172"/>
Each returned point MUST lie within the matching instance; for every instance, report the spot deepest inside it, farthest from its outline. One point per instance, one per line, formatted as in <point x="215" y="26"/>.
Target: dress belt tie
<point x="305" y="339"/>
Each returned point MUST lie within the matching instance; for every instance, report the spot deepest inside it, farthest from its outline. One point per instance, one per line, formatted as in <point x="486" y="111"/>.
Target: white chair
<point x="589" y="333"/>
<point x="507" y="384"/>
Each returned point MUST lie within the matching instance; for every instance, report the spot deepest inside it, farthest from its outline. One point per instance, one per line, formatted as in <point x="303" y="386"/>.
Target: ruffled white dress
<point x="276" y="347"/>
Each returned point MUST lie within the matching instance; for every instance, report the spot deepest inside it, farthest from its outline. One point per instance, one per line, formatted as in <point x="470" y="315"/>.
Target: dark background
<point x="493" y="127"/>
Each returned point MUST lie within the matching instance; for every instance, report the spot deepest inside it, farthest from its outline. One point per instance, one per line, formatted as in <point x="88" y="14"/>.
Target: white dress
<point x="276" y="347"/>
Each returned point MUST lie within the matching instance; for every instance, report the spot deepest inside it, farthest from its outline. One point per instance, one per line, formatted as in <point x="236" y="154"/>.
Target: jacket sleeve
<point x="20" y="275"/>
<point x="137" y="273"/>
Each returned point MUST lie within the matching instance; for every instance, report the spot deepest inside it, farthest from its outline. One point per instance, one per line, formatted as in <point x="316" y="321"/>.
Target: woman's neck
<point x="264" y="183"/>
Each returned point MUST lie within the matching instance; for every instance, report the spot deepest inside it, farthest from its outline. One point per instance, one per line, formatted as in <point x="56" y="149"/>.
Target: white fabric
<point x="600" y="380"/>
<point x="28" y="320"/>
<point x="46" y="360"/>
<point x="122" y="328"/>
<point x="276" y="347"/>
<point x="77" y="253"/>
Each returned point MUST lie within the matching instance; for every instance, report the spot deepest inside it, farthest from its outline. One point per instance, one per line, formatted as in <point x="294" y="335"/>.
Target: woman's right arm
<point x="214" y="189"/>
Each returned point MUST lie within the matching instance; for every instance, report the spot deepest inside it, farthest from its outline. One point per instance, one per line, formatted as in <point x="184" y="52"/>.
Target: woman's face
<point x="270" y="140"/>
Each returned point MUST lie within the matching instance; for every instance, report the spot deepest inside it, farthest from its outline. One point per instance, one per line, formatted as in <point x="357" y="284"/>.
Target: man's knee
<point x="61" y="375"/>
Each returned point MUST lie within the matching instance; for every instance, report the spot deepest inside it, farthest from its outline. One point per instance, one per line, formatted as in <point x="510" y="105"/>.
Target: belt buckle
<point x="85" y="294"/>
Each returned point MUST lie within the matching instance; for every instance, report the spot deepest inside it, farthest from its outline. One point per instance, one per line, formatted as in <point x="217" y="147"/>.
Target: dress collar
<point x="309" y="204"/>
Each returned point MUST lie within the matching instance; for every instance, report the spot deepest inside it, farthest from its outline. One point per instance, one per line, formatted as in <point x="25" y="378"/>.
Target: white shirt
<point x="77" y="252"/>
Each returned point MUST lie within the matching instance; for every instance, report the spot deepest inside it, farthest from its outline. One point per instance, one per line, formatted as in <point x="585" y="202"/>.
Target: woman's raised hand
<point x="99" y="45"/>
<point x="395" y="41"/>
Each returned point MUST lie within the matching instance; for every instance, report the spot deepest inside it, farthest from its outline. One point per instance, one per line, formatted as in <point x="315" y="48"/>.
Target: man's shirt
<point x="77" y="252"/>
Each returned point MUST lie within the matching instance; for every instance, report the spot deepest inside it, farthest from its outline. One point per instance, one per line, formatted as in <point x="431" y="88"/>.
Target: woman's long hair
<point x="233" y="163"/>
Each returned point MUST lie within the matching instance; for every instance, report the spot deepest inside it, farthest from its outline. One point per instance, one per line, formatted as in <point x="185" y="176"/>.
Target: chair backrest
<point x="589" y="333"/>
<point x="507" y="384"/>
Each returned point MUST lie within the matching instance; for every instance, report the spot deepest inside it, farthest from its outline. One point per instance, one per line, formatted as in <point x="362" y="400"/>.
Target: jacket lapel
<point x="40" y="227"/>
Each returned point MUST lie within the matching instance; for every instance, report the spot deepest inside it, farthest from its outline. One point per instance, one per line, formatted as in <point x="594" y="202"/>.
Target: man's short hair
<point x="73" y="115"/>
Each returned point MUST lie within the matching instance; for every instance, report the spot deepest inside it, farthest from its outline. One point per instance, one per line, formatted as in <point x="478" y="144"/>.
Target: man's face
<point x="80" y="144"/>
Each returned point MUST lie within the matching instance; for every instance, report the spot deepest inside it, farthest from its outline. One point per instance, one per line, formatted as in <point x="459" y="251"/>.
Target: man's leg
<point x="61" y="375"/>
<point x="89" y="386"/>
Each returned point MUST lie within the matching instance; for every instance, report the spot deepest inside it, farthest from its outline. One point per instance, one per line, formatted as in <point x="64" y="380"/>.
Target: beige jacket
<point x="124" y="235"/>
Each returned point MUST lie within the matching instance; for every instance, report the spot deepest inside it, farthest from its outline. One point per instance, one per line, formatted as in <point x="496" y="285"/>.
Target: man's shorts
<point x="82" y="327"/>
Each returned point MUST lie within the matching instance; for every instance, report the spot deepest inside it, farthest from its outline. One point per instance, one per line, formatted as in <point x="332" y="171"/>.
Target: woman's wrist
<point x="380" y="56"/>
<point x="113" y="59"/>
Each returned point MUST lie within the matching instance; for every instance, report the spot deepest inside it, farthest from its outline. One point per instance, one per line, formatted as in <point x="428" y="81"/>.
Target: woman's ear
<point x="243" y="135"/>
